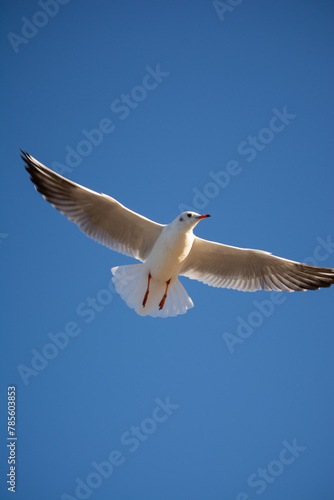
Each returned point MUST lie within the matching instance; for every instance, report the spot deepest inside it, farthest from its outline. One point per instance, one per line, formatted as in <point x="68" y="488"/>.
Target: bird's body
<point x="160" y="272"/>
<point x="167" y="251"/>
<point x="173" y="246"/>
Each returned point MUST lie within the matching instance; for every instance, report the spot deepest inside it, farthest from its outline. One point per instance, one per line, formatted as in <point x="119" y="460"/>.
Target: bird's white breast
<point x="168" y="254"/>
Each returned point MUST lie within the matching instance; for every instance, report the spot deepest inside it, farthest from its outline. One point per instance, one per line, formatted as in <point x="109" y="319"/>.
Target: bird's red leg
<point x="162" y="301"/>
<point x="147" y="290"/>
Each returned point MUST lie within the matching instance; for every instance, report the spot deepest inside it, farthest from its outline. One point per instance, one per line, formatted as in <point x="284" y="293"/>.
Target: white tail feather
<point x="131" y="283"/>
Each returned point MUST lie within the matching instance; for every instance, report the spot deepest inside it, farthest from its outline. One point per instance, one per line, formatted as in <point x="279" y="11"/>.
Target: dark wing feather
<point x="99" y="216"/>
<point x="250" y="270"/>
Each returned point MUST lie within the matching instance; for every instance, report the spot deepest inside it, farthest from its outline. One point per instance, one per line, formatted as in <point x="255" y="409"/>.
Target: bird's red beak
<point x="204" y="216"/>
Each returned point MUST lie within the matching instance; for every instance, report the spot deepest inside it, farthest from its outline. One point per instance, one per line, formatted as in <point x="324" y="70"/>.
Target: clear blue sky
<point x="233" y="400"/>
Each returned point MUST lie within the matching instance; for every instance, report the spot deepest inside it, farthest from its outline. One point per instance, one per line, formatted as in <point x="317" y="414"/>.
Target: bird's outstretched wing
<point x="250" y="270"/>
<point x="97" y="215"/>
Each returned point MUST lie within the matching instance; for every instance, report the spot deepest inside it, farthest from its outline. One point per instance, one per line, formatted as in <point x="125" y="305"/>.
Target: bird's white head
<point x="188" y="220"/>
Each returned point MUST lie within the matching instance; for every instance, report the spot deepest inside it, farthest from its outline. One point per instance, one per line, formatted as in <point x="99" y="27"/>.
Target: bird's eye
<point x="188" y="215"/>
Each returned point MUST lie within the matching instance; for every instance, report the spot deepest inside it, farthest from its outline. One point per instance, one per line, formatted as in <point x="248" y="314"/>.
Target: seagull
<point x="166" y="251"/>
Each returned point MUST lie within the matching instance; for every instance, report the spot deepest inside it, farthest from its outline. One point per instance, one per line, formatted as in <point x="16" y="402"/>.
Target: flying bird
<point x="167" y="251"/>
